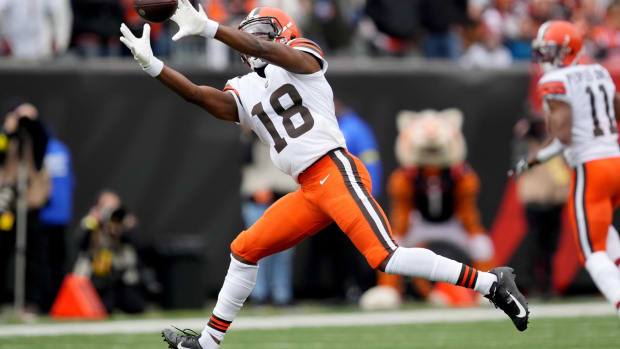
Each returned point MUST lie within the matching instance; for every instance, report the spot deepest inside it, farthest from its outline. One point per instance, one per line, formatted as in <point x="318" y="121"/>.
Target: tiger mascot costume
<point x="433" y="198"/>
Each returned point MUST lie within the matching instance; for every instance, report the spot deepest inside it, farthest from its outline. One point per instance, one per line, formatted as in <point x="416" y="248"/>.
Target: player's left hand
<point x="140" y="47"/>
<point x="519" y="168"/>
<point x="192" y="22"/>
<point x="141" y="50"/>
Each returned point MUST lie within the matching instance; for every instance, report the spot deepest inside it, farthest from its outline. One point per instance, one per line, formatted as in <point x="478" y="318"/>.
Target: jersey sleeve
<point x="233" y="87"/>
<point x="553" y="86"/>
<point x="310" y="47"/>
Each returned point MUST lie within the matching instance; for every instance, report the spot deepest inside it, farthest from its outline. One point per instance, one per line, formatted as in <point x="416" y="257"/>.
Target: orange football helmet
<point x="270" y="23"/>
<point x="557" y="44"/>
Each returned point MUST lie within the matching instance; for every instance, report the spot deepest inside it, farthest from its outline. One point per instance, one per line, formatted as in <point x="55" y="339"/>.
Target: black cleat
<point x="188" y="339"/>
<point x="505" y="295"/>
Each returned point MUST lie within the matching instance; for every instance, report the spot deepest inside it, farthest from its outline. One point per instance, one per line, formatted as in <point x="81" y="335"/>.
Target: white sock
<point x="613" y="245"/>
<point x="424" y="263"/>
<point x="238" y="285"/>
<point x="206" y="342"/>
<point x="484" y="282"/>
<point x="606" y="276"/>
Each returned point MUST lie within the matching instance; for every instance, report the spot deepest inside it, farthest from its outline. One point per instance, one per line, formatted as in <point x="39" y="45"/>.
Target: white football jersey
<point x="590" y="91"/>
<point x="292" y="113"/>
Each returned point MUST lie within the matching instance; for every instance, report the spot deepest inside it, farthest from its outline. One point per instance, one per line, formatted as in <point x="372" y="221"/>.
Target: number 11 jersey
<point x="589" y="90"/>
<point x="292" y="113"/>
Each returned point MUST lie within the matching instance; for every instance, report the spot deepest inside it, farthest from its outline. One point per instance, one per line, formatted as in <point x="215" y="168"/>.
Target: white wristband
<point x="210" y="29"/>
<point x="155" y="68"/>
<point x="546" y="153"/>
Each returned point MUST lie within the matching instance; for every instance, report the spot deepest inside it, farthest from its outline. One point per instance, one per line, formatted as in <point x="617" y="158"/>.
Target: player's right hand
<point x="192" y="21"/>
<point x="140" y="47"/>
<point x="519" y="168"/>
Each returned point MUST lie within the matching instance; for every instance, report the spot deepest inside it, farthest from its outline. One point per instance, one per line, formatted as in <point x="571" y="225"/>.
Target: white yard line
<point x="310" y="320"/>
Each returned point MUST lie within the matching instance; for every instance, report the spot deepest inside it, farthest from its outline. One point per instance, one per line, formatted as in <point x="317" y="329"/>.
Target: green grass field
<point x="585" y="332"/>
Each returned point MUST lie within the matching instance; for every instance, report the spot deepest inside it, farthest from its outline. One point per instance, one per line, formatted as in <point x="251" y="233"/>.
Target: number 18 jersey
<point x="589" y="90"/>
<point x="292" y="113"/>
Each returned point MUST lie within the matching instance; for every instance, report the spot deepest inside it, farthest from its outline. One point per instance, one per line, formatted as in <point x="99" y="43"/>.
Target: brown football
<point x="155" y="10"/>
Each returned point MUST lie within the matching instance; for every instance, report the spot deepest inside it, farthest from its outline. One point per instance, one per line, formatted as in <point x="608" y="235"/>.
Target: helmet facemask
<point x="550" y="55"/>
<point x="265" y="28"/>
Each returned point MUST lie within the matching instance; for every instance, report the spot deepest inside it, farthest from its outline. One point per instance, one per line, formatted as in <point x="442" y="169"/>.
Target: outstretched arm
<point x="293" y="60"/>
<point x="195" y="22"/>
<point x="220" y="104"/>
<point x="559" y="126"/>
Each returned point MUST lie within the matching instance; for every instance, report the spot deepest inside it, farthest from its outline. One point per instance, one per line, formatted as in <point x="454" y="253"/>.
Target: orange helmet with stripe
<point x="557" y="44"/>
<point x="269" y="23"/>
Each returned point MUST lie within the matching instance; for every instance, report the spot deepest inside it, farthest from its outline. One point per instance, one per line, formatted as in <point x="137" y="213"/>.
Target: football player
<point x="288" y="103"/>
<point x="581" y="107"/>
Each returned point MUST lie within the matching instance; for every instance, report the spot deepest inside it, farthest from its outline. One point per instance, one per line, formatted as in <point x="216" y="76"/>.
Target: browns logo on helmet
<point x="270" y="23"/>
<point x="557" y="44"/>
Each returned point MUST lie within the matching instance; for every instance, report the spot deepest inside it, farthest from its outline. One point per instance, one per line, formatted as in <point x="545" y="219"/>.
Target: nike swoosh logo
<point x="324" y="179"/>
<point x="181" y="346"/>
<point x="522" y="311"/>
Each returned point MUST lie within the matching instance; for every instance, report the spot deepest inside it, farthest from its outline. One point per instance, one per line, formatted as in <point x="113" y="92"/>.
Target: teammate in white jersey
<point x="288" y="102"/>
<point x="581" y="106"/>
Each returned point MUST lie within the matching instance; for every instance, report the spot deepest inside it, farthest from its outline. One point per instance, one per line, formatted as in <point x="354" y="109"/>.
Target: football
<point x="156" y="11"/>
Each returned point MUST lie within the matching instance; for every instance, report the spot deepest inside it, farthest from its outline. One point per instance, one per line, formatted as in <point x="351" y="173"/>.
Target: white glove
<point x="141" y="50"/>
<point x="192" y="22"/>
<point x="481" y="247"/>
<point x="520" y="167"/>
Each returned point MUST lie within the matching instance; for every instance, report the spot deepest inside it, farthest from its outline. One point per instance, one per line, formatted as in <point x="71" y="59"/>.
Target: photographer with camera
<point x="109" y="256"/>
<point x="23" y="143"/>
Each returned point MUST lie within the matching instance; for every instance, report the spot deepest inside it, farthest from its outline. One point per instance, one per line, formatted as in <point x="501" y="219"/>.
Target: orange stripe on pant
<point x="595" y="193"/>
<point x="335" y="189"/>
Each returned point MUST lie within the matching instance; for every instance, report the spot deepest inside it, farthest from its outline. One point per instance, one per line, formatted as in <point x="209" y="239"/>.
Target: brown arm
<point x="293" y="60"/>
<point x="559" y="125"/>
<point x="218" y="103"/>
<point x="560" y="121"/>
<point x="617" y="106"/>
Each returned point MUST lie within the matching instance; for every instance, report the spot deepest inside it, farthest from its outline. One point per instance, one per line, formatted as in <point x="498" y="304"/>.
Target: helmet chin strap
<point x="547" y="67"/>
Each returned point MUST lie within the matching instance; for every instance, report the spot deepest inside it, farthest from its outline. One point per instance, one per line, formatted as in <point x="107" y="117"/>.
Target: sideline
<point x="436" y="315"/>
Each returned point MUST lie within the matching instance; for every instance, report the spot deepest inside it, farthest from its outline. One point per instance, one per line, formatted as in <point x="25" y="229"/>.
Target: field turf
<point x="582" y="332"/>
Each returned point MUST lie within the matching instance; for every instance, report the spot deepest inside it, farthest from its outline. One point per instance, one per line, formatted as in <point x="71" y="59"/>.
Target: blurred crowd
<point x="476" y="33"/>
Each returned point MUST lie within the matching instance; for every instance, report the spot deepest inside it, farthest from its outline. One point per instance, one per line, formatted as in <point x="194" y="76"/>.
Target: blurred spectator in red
<point x="393" y="24"/>
<point x="606" y="37"/>
<point x="35" y="28"/>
